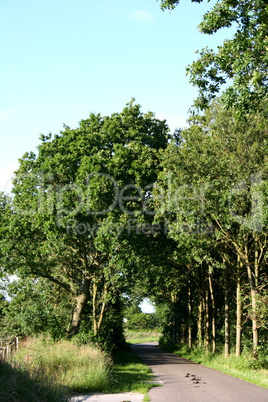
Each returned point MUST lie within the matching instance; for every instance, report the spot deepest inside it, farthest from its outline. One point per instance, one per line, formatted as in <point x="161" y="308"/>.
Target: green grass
<point x="79" y="368"/>
<point x="47" y="371"/>
<point x="129" y="374"/>
<point x="237" y="367"/>
<point x="142" y="340"/>
<point x="142" y="336"/>
<point x="243" y="367"/>
<point x="19" y="385"/>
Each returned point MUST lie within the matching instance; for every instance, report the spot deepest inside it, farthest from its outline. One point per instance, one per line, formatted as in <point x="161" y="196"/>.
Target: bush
<point x="141" y="321"/>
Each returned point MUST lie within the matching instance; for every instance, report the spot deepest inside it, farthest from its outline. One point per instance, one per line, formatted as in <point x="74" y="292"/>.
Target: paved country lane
<point x="186" y="381"/>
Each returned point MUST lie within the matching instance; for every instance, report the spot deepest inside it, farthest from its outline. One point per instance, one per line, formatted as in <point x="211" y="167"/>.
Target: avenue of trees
<point x="120" y="208"/>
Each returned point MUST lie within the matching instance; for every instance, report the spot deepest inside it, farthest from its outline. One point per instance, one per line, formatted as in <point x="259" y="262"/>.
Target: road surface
<point x="187" y="381"/>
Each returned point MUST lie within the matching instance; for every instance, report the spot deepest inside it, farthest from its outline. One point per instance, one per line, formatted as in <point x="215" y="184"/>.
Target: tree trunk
<point x="190" y="342"/>
<point x="213" y="313"/>
<point x="81" y="301"/>
<point x="94" y="307"/>
<point x="238" y="307"/>
<point x="98" y="316"/>
<point x="200" y="308"/>
<point x="253" y="291"/>
<point x="226" y="313"/>
<point x="254" y="311"/>
<point x="254" y="322"/>
<point x="206" y="337"/>
<point x="199" y="322"/>
<point x="174" y="324"/>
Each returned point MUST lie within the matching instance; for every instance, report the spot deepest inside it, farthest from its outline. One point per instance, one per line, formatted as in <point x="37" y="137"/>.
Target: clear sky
<point x="63" y="59"/>
<point x="146" y="306"/>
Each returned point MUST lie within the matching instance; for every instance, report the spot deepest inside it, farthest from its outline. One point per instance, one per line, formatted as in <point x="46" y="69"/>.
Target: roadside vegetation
<point x="142" y="336"/>
<point x="46" y="371"/>
<point x="79" y="368"/>
<point x="129" y="374"/>
<point x="140" y="327"/>
<point x="18" y="384"/>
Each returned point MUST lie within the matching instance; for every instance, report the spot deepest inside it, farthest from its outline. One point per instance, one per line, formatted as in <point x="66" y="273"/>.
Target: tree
<point x="35" y="306"/>
<point x="5" y="213"/>
<point x="240" y="62"/>
<point x="213" y="196"/>
<point x="76" y="204"/>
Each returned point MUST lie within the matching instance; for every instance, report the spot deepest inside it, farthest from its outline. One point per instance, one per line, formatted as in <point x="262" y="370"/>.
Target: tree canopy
<point x="240" y="63"/>
<point x="81" y="198"/>
<point x="213" y="191"/>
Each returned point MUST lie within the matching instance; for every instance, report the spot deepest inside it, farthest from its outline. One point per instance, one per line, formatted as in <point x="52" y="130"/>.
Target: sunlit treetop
<point x="171" y="4"/>
<point x="240" y="62"/>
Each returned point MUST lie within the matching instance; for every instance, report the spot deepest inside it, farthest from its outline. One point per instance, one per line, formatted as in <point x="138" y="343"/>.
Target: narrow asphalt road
<point x="187" y="381"/>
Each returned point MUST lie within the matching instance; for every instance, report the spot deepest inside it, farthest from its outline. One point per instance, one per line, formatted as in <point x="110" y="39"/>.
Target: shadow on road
<point x="156" y="356"/>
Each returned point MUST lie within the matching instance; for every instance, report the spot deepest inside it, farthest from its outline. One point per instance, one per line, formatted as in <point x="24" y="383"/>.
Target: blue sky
<point x="63" y="59"/>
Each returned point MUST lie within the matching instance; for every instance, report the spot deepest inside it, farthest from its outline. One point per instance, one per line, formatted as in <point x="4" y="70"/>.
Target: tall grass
<point x="80" y="368"/>
<point x="47" y="371"/>
<point x="19" y="385"/>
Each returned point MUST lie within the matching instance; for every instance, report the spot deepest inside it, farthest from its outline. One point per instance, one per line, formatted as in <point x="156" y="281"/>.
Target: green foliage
<point x="240" y="62"/>
<point x="77" y="204"/>
<point x="171" y="4"/>
<point x="212" y="192"/>
<point x="5" y="216"/>
<point x="135" y="319"/>
<point x="111" y="335"/>
<point x="141" y="321"/>
<point x="36" y="306"/>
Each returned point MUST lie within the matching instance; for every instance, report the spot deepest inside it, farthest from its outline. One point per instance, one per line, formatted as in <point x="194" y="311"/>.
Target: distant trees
<point x="135" y="319"/>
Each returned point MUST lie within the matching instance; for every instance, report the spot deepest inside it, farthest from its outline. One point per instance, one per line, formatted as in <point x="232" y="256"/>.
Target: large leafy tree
<point x="240" y="62"/>
<point x="34" y="306"/>
<point x="77" y="204"/>
<point x="5" y="214"/>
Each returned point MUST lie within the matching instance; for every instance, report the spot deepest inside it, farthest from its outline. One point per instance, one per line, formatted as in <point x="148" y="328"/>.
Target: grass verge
<point x="142" y="336"/>
<point x="79" y="368"/>
<point x="19" y="385"/>
<point x="129" y="374"/>
<point x="47" y="371"/>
